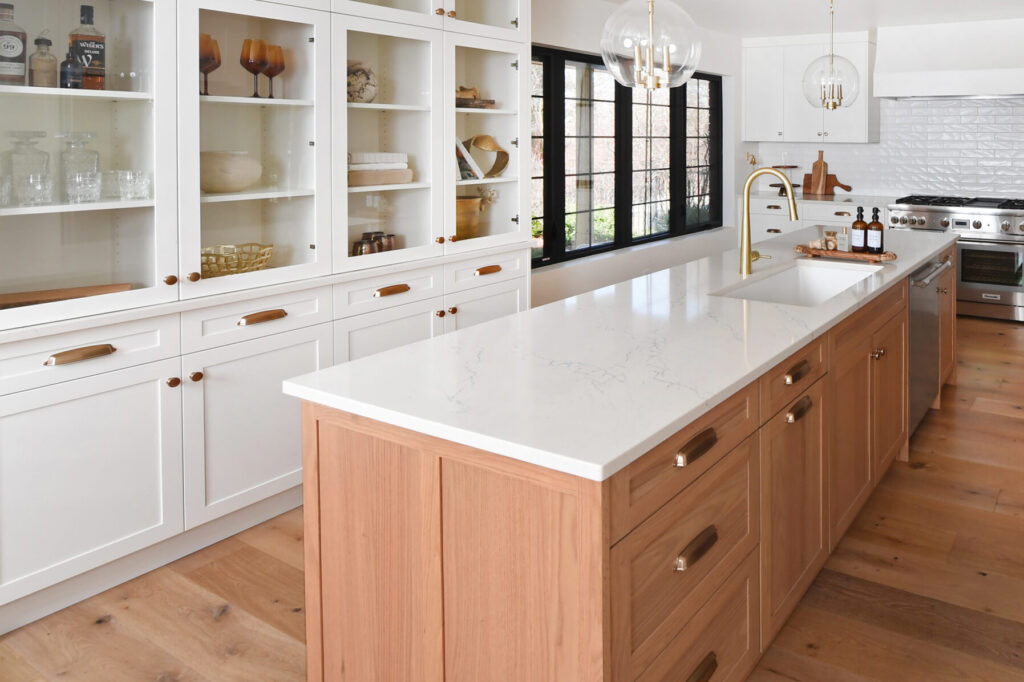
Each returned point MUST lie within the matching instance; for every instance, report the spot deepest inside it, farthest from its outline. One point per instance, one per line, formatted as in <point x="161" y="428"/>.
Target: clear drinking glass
<point x="135" y="185"/>
<point x="111" y="184"/>
<point x="82" y="188"/>
<point x="5" y="191"/>
<point x="34" y="189"/>
<point x="24" y="158"/>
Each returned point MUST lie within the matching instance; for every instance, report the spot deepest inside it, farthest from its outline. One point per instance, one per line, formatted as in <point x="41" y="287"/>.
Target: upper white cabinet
<point x="774" y="106"/>
<point x="254" y="169"/>
<point x="87" y="183"/>
<point x="502" y="19"/>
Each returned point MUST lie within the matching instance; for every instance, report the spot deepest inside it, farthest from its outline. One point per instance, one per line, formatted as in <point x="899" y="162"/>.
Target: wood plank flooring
<point x="928" y="584"/>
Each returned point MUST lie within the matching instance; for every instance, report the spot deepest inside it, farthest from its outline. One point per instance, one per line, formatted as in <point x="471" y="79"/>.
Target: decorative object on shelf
<point x="209" y="59"/>
<point x="82" y="187"/>
<point x="378" y="168"/>
<point x="134" y="185"/>
<point x="778" y="185"/>
<point x="489" y="144"/>
<point x="232" y="259"/>
<point x="23" y="298"/>
<point x="71" y="73"/>
<point x="254" y="60"/>
<point x="28" y="168"/>
<point x="275" y="66"/>
<point x="467" y="213"/>
<point x="831" y="81"/>
<point x="77" y="163"/>
<point x="12" y="48"/>
<point x="89" y="48"/>
<point x="362" y="82"/>
<point x="374" y="242"/>
<point x="34" y="189"/>
<point x="43" y="66"/>
<point x="635" y="33"/>
<point x="468" y="168"/>
<point x="223" y="172"/>
<point x="817" y="252"/>
<point x="469" y="98"/>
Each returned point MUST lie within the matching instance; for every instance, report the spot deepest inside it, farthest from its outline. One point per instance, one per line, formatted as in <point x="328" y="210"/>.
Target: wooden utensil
<point x="819" y="176"/>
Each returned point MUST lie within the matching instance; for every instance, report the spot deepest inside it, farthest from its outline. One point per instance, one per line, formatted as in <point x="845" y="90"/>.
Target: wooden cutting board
<point x="22" y="298"/>
<point x="819" y="176"/>
<point x="831" y="183"/>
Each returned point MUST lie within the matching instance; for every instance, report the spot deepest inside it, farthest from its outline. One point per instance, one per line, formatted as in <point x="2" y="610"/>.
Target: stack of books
<point x="378" y="168"/>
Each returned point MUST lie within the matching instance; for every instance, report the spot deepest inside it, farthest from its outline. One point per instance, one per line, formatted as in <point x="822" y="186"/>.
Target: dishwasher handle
<point x="939" y="269"/>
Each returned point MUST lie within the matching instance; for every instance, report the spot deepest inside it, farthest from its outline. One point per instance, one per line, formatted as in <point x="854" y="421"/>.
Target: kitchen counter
<point x="587" y="385"/>
<point x="865" y="200"/>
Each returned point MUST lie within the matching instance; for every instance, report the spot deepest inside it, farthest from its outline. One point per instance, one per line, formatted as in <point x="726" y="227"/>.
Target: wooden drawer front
<point x="831" y="212"/>
<point x="770" y="206"/>
<point x="212" y="327"/>
<point x="665" y="569"/>
<point x="721" y="643"/>
<point x="640" y="489"/>
<point x="386" y="291"/>
<point x="477" y="272"/>
<point x="791" y="377"/>
<point x="869" y="318"/>
<point x="24" y="364"/>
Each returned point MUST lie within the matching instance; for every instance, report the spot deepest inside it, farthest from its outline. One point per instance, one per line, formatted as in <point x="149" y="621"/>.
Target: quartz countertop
<point x="589" y="384"/>
<point x="840" y="197"/>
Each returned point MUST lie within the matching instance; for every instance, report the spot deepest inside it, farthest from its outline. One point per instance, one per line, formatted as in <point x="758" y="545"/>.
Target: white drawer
<point x="218" y="326"/>
<point x="386" y="291"/>
<point x="28" y="364"/>
<point x="769" y="206"/>
<point x="478" y="272"/>
<point x="819" y="211"/>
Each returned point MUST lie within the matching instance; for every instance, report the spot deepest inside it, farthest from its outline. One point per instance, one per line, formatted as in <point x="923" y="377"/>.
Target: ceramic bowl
<point x="221" y="172"/>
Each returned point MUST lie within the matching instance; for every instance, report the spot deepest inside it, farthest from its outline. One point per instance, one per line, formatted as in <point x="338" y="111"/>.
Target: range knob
<point x="913" y="220"/>
<point x="894" y="220"/>
<point x="903" y="220"/>
<point x="1021" y="227"/>
<point x="976" y="224"/>
<point x="1005" y="227"/>
<point x="922" y="221"/>
<point x="945" y="222"/>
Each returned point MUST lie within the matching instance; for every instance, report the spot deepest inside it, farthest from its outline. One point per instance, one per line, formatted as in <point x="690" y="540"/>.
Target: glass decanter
<point x="25" y="170"/>
<point x="77" y="160"/>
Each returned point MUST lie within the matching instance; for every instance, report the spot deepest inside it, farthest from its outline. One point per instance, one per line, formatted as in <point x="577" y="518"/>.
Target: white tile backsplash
<point x="950" y="146"/>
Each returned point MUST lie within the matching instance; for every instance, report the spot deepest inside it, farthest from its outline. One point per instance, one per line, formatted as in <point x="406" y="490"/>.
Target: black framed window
<point x="615" y="167"/>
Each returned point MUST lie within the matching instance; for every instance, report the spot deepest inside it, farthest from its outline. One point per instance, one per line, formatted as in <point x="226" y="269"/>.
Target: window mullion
<point x="555" y="123"/>
<point x="623" y="165"/>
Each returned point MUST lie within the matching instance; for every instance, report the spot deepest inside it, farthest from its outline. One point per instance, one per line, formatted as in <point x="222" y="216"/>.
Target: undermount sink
<point x="807" y="283"/>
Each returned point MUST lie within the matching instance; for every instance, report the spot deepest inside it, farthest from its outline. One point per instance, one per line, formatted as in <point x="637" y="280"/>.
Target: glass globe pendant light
<point x="635" y="36"/>
<point x="831" y="81"/>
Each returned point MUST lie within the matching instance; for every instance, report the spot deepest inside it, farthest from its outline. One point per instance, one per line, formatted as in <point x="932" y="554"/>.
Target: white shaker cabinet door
<point x="484" y="304"/>
<point x="90" y="471"/>
<point x="804" y="122"/>
<point x="362" y="335"/>
<point x="242" y="435"/>
<point x="762" y="94"/>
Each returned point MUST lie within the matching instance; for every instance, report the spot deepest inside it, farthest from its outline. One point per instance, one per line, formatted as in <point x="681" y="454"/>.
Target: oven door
<point x="990" y="272"/>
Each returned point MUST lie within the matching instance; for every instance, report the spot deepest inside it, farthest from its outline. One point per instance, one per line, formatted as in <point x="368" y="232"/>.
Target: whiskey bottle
<point x="89" y="48"/>
<point x="12" y="48"/>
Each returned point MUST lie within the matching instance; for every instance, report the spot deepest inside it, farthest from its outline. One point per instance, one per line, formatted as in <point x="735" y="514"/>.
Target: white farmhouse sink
<point x="807" y="283"/>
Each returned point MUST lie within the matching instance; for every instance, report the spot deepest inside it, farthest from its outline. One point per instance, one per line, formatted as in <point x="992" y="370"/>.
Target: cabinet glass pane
<point x="421" y="6"/>
<point x="498" y="13"/>
<point x="77" y="164"/>
<point x="257" y="148"/>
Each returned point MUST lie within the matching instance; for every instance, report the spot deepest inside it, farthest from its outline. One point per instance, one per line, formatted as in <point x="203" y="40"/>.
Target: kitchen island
<point x="635" y="483"/>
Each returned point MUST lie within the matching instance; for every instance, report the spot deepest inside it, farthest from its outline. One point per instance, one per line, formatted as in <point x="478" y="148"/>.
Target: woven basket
<point x="231" y="259"/>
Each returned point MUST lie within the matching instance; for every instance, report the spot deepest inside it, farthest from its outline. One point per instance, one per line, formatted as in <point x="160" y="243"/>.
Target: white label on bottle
<point x="11" y="47"/>
<point x="874" y="239"/>
<point x="858" y="238"/>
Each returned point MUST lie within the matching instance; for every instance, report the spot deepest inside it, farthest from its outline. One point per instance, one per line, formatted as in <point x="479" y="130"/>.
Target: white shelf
<point x="490" y="112"/>
<point x="75" y="208"/>
<point x="256" y="101"/>
<point x="486" y="181"/>
<point x="258" y="194"/>
<point x="112" y="95"/>
<point x="389" y="188"/>
<point x="387" y="107"/>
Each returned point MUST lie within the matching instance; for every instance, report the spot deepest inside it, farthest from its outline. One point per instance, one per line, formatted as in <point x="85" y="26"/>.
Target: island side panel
<point x="311" y="543"/>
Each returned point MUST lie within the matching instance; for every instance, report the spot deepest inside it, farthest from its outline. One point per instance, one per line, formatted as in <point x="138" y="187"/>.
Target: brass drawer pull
<point x="697" y="548"/>
<point x="878" y="354"/>
<point x="843" y="213"/>
<point x="798" y="372"/>
<point x="391" y="290"/>
<point x="774" y="230"/>
<point x="439" y="11"/>
<point x="799" y="410"/>
<point x="79" y="354"/>
<point x="705" y="670"/>
<point x="696" y="447"/>
<point x="773" y="207"/>
<point x="260" y="317"/>
<point x="487" y="270"/>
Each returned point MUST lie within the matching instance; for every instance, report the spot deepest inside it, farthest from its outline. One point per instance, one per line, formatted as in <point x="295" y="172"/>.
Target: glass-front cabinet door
<point x="487" y="128"/>
<point x="388" y="154"/>
<point x="87" y="142"/>
<point x="502" y="19"/>
<point x="254" y="154"/>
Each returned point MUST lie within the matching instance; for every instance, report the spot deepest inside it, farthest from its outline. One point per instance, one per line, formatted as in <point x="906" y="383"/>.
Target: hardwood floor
<point x="928" y="584"/>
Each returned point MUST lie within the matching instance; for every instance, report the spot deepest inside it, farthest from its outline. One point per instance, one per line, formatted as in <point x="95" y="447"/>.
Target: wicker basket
<point x="231" y="259"/>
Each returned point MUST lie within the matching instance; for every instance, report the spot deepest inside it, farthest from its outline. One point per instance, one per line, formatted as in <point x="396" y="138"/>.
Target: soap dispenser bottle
<point x="875" y="234"/>
<point x="860" y="228"/>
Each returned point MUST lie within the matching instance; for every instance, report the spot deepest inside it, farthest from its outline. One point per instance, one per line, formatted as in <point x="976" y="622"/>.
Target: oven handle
<point x="933" y="275"/>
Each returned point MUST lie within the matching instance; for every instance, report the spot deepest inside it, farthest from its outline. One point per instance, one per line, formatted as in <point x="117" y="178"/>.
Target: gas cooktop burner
<point x="1012" y="205"/>
<point x="928" y="200"/>
<point x="962" y="202"/>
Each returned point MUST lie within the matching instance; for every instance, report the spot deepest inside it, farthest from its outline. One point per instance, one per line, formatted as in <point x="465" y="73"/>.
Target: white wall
<point x="576" y="25"/>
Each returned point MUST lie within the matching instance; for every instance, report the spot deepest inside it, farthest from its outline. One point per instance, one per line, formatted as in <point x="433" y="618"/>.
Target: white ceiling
<point x="790" y="17"/>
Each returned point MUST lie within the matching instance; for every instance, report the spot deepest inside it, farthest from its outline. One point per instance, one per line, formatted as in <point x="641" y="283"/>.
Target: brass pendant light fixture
<point x="832" y="81"/>
<point x="637" y="35"/>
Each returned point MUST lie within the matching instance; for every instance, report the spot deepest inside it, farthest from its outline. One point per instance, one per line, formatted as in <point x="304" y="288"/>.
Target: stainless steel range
<point x="990" y="253"/>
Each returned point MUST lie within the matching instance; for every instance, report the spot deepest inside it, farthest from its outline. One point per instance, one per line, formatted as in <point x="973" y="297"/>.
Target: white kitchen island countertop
<point x="589" y="384"/>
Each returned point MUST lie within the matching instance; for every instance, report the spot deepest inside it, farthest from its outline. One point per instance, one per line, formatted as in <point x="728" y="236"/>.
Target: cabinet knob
<point x="878" y="354"/>
<point x="170" y="279"/>
<point x="942" y="290"/>
<point x="439" y="11"/>
<point x="826" y="133"/>
<point x="780" y="133"/>
<point x="774" y="230"/>
<point x="194" y="276"/>
<point x="174" y="382"/>
<point x="453" y="238"/>
<point x="451" y="15"/>
<point x="196" y="376"/>
<point x="453" y="310"/>
<point x="439" y="240"/>
<point x="440" y="313"/>
<point x="819" y="134"/>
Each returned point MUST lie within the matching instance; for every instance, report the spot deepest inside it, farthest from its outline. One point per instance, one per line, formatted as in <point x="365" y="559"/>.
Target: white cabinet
<point x="242" y="435"/>
<point x="90" y="471"/>
<point x="773" y="98"/>
<point x="363" y="335"/>
<point x="483" y="304"/>
<point x="502" y="19"/>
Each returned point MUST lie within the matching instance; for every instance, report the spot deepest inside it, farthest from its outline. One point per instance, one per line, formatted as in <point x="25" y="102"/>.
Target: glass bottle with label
<point x="12" y="48"/>
<point x="89" y="48"/>
<point x="71" y="73"/>
<point x="42" y="65"/>
<point x="858" y="241"/>
<point x="875" y="234"/>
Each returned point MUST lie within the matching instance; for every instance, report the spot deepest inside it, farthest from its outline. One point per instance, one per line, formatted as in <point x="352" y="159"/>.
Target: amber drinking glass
<point x="254" y="60"/>
<point x="209" y="59"/>
<point x="275" y="65"/>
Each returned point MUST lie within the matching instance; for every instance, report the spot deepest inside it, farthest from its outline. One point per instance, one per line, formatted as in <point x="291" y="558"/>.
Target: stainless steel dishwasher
<point x="924" y="340"/>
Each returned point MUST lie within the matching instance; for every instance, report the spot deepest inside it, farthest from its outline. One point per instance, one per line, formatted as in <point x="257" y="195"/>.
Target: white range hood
<point x="967" y="59"/>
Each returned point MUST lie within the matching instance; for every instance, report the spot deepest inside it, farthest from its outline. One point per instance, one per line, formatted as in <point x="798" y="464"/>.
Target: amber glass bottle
<point x="876" y="233"/>
<point x="858" y="241"/>
<point x="89" y="48"/>
<point x="12" y="48"/>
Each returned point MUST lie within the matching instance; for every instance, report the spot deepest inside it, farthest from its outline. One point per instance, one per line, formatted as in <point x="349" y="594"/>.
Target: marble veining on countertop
<point x="589" y="384"/>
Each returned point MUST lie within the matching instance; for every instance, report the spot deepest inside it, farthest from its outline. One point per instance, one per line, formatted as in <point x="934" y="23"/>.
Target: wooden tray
<point x="886" y="257"/>
<point x="50" y="295"/>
